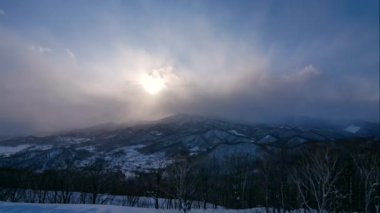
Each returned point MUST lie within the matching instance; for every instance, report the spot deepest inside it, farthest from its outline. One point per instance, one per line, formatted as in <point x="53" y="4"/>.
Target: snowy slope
<point x="352" y="128"/>
<point x="150" y="145"/>
<point x="6" y="207"/>
<point x="68" y="208"/>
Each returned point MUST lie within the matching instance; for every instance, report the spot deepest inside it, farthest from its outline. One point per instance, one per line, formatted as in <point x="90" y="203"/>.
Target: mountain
<point x="156" y="144"/>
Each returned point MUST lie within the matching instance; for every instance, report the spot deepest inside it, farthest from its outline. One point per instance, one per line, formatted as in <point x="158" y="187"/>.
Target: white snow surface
<point x="9" y="150"/>
<point x="236" y="133"/>
<point x="268" y="139"/>
<point x="8" y="207"/>
<point x="71" y="140"/>
<point x="352" y="128"/>
<point x="129" y="159"/>
<point x="157" y="133"/>
<point x="41" y="147"/>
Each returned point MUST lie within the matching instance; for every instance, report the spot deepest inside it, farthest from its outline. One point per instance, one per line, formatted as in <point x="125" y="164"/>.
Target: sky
<point x="71" y="64"/>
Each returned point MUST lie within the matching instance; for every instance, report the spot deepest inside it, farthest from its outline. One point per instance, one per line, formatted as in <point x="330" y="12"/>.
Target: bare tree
<point x="95" y="177"/>
<point x="316" y="176"/>
<point x="368" y="167"/>
<point x="158" y="175"/>
<point x="184" y="183"/>
<point x="66" y="186"/>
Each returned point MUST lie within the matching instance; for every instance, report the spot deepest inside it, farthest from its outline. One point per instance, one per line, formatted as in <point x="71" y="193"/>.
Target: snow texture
<point x="236" y="133"/>
<point x="9" y="150"/>
<point x="7" y="207"/>
<point x="352" y="128"/>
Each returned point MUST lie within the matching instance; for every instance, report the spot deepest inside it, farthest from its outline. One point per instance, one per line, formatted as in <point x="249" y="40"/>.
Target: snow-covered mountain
<point x="155" y="144"/>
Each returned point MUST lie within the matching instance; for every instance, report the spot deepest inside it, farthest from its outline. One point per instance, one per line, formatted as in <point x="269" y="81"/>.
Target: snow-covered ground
<point x="37" y="196"/>
<point x="8" y="207"/>
<point x="352" y="128"/>
<point x="9" y="150"/>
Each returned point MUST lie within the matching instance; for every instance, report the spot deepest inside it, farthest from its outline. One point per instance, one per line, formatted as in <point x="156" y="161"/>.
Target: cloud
<point x="40" y="49"/>
<point x="307" y="72"/>
<point x="204" y="72"/>
<point x="70" y="53"/>
<point x="44" y="92"/>
<point x="2" y="12"/>
<point x="271" y="98"/>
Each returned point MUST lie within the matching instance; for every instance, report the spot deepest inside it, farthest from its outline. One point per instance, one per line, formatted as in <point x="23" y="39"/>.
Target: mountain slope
<point x="155" y="144"/>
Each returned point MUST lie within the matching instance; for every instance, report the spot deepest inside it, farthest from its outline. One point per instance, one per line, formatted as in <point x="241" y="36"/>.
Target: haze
<point x="72" y="64"/>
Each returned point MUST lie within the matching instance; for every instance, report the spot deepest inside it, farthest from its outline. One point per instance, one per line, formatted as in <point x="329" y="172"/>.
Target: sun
<point x="152" y="83"/>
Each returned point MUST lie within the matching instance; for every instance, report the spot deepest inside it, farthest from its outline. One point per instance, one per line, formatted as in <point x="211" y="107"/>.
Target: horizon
<point x="303" y="122"/>
<point x="70" y="65"/>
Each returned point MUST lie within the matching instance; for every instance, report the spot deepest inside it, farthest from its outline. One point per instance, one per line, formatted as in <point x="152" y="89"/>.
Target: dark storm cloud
<point x="307" y="92"/>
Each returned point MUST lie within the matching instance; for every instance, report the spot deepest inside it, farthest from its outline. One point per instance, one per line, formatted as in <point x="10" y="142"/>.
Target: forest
<point x="341" y="176"/>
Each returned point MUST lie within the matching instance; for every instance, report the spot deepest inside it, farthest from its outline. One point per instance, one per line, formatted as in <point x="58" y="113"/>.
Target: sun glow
<point x="152" y="83"/>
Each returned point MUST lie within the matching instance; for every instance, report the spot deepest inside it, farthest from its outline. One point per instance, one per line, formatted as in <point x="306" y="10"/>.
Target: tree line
<point x="341" y="176"/>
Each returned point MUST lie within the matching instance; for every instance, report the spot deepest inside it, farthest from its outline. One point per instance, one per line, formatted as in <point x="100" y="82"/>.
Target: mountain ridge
<point x="147" y="146"/>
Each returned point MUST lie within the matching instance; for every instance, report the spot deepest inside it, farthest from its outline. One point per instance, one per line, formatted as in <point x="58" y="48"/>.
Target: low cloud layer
<point x="47" y="85"/>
